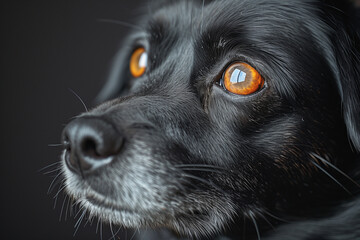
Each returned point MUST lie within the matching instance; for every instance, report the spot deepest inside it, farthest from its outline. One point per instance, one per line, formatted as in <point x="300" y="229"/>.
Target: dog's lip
<point x="102" y="204"/>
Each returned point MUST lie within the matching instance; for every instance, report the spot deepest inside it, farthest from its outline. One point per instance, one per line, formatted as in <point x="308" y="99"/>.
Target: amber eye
<point x="240" y="78"/>
<point x="138" y="62"/>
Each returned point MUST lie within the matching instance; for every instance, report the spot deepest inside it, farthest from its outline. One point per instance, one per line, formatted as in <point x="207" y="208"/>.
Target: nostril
<point x="90" y="148"/>
<point x="69" y="158"/>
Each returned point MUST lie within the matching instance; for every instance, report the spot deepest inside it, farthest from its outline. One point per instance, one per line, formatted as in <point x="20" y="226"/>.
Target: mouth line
<point x="101" y="204"/>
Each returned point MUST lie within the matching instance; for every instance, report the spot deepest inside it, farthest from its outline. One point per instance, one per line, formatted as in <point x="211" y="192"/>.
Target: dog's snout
<point x="90" y="143"/>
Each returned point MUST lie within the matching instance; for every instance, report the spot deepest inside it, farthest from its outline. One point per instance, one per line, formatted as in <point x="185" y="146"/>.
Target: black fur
<point x="282" y="163"/>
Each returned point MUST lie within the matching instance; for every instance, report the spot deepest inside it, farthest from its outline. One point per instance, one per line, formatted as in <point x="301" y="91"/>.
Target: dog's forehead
<point x="289" y="36"/>
<point x="272" y="27"/>
<point x="196" y="17"/>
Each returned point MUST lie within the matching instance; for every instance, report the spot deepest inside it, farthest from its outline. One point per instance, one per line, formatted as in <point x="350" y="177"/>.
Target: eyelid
<point x="215" y="72"/>
<point x="219" y="91"/>
<point x="138" y="41"/>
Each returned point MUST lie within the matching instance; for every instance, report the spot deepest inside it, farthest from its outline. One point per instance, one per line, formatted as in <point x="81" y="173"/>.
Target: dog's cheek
<point x="243" y="112"/>
<point x="143" y="172"/>
<point x="270" y="142"/>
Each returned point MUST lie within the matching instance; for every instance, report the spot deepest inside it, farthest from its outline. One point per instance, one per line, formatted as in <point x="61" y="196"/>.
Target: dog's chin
<point x="194" y="223"/>
<point x="112" y="213"/>
<point x="203" y="224"/>
<point x="100" y="206"/>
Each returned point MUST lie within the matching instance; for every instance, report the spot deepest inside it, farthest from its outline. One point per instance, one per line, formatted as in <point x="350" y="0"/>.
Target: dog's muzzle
<point x="90" y="143"/>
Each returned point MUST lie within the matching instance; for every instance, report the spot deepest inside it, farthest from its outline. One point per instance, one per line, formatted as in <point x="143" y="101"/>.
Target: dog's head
<point x="220" y="111"/>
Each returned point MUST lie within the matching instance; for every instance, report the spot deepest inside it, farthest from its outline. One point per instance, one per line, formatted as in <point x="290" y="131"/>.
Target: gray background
<point x="46" y="48"/>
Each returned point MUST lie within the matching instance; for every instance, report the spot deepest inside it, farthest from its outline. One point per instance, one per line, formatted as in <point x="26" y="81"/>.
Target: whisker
<point x="97" y="226"/>
<point x="275" y="217"/>
<point x="251" y="214"/>
<point x="67" y="208"/>
<point x="56" y="195"/>
<point x="53" y="184"/>
<point x="58" y="192"/>
<point x="202" y="170"/>
<point x="133" y="235"/>
<point x="48" y="166"/>
<point x="204" y="181"/>
<point x="90" y="220"/>
<point x="266" y="220"/>
<point x="335" y="168"/>
<point x="62" y="207"/>
<point x="101" y="231"/>
<point x="330" y="176"/>
<point x="86" y="109"/>
<point x="87" y="221"/>
<point x="79" y="211"/>
<point x="52" y="171"/>
<point x="70" y="119"/>
<point x="77" y="224"/>
<point x="205" y="168"/>
<point x="72" y="206"/>
<point x="80" y="218"/>
<point x="112" y="233"/>
<point x="55" y="145"/>
<point x="121" y="23"/>
<point x="202" y="166"/>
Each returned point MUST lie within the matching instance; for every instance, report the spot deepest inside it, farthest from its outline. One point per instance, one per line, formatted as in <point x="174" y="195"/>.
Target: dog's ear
<point x="347" y="54"/>
<point x="349" y="86"/>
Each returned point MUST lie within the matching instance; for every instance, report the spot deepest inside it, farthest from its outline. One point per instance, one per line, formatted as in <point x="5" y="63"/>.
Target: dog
<point x="226" y="119"/>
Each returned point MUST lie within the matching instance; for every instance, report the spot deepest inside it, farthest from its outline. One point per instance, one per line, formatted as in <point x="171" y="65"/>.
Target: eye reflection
<point x="237" y="76"/>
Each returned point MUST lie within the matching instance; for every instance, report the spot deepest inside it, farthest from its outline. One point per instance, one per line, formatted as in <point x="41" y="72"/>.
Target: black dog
<point x="229" y="118"/>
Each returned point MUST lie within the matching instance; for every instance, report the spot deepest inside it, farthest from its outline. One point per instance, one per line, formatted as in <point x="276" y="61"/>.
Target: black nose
<point x="90" y="143"/>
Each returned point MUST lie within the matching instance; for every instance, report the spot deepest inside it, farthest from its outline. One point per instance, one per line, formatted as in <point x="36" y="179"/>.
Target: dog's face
<point x="228" y="110"/>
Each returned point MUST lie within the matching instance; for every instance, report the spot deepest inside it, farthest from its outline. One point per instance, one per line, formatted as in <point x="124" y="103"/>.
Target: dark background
<point x="46" y="48"/>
